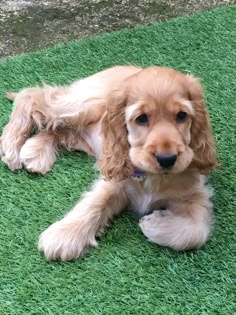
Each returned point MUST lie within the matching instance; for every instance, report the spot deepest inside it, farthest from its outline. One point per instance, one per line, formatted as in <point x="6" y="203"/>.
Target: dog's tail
<point x="11" y="95"/>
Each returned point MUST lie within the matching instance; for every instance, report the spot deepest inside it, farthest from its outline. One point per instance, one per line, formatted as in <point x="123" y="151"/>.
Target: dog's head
<point x="156" y="122"/>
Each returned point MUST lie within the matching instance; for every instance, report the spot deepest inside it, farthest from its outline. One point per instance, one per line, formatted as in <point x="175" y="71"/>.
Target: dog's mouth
<point x="140" y="174"/>
<point x="150" y="166"/>
<point x="153" y="169"/>
<point x="166" y="171"/>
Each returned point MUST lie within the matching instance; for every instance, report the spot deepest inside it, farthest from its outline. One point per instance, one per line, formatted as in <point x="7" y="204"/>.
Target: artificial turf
<point x="125" y="274"/>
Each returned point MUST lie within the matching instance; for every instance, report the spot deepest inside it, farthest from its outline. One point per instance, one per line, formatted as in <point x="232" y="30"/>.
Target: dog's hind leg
<point x="39" y="152"/>
<point x="18" y="129"/>
<point x="33" y="109"/>
<point x="76" y="107"/>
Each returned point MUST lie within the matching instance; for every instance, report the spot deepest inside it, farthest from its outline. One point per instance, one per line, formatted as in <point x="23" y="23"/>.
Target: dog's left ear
<point x="115" y="163"/>
<point x="202" y="141"/>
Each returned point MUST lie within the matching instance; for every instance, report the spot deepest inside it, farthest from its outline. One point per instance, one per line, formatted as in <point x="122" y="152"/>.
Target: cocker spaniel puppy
<point x="150" y="133"/>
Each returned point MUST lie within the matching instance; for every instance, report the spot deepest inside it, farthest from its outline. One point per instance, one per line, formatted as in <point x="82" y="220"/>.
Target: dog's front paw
<point x="155" y="226"/>
<point x="65" y="240"/>
<point x="178" y="232"/>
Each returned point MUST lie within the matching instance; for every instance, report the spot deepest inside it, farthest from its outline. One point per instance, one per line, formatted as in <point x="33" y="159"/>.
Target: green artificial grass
<point x="126" y="274"/>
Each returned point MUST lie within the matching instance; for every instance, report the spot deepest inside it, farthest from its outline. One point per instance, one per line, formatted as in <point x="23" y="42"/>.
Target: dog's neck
<point x="183" y="180"/>
<point x="138" y="175"/>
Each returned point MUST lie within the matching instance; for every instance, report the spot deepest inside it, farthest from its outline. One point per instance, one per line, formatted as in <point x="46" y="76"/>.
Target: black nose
<point x="166" y="160"/>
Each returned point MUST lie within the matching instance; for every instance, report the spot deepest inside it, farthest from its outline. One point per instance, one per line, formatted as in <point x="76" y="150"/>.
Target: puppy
<point x="150" y="133"/>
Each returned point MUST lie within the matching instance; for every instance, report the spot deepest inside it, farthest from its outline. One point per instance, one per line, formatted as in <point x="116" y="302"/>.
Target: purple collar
<point x="138" y="175"/>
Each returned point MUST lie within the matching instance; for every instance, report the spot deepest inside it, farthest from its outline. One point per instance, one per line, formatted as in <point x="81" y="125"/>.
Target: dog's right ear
<point x="115" y="163"/>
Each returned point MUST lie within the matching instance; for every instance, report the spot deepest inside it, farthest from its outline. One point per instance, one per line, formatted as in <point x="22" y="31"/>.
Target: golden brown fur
<point x="130" y="119"/>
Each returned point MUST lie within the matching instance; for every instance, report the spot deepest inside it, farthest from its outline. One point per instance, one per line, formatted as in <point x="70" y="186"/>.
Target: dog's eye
<point x="181" y="116"/>
<point x="142" y="119"/>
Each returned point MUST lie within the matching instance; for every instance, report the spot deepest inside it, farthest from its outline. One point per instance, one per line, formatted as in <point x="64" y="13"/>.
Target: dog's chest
<point x="144" y="197"/>
<point x="155" y="192"/>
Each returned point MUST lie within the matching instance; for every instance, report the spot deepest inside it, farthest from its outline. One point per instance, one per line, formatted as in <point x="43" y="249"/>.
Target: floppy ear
<point x="202" y="141"/>
<point x="115" y="163"/>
